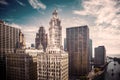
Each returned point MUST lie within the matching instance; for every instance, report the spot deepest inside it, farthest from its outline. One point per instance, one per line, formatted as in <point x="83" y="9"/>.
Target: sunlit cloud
<point x="37" y="4"/>
<point x="106" y="29"/>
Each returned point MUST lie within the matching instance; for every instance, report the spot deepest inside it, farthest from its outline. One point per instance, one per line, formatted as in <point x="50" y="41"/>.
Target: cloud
<point x="80" y="12"/>
<point x="104" y="10"/>
<point x="37" y="4"/>
<point x="14" y="25"/>
<point x="106" y="28"/>
<point x="22" y="4"/>
<point x="4" y="2"/>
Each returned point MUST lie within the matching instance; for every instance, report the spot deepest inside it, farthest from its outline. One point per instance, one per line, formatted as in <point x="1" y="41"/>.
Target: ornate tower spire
<point x="55" y="30"/>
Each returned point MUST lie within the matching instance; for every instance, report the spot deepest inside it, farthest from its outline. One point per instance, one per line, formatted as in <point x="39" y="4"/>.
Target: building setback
<point x="100" y="56"/>
<point x="10" y="39"/>
<point x="78" y="50"/>
<point x="41" y="38"/>
<point x="53" y="64"/>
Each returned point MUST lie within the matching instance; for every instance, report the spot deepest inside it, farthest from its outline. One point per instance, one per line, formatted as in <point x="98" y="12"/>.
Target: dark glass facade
<point x="100" y="54"/>
<point x="78" y="47"/>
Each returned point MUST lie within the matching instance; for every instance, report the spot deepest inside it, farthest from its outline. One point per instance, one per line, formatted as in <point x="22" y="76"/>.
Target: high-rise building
<point x="90" y="54"/>
<point x="53" y="64"/>
<point x="10" y="39"/>
<point x="78" y="50"/>
<point x="22" y="65"/>
<point x="41" y="38"/>
<point x="100" y="56"/>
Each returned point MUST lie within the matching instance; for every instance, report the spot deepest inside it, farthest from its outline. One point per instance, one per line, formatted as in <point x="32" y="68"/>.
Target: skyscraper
<point x="53" y="64"/>
<point x="55" y="30"/>
<point x="78" y="50"/>
<point x="100" y="56"/>
<point x="41" y="38"/>
<point x="10" y="39"/>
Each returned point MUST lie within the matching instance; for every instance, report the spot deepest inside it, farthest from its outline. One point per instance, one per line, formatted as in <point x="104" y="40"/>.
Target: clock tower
<point x="55" y="31"/>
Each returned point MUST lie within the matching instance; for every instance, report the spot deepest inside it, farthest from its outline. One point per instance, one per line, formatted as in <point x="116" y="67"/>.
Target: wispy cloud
<point x="4" y="2"/>
<point x="106" y="29"/>
<point x="37" y="4"/>
<point x="22" y="4"/>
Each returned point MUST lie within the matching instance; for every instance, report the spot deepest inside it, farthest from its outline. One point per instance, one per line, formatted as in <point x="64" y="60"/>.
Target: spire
<point x="55" y="13"/>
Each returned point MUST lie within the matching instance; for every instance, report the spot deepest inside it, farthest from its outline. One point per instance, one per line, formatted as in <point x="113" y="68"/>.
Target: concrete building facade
<point x="78" y="50"/>
<point x="22" y="65"/>
<point x="19" y="67"/>
<point x="52" y="66"/>
<point x="9" y="37"/>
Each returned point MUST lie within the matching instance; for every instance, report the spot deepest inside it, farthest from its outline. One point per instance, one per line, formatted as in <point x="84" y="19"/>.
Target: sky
<point x="101" y="16"/>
